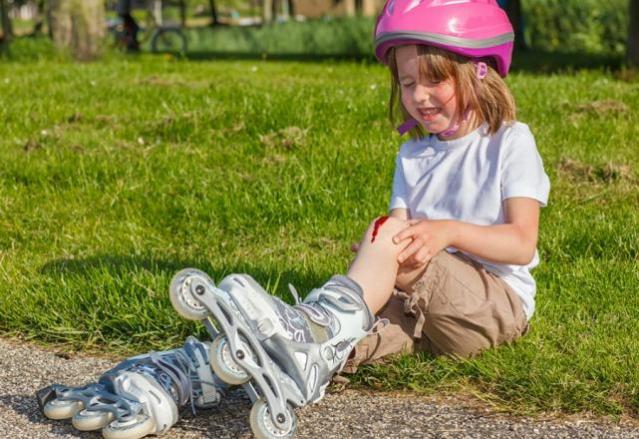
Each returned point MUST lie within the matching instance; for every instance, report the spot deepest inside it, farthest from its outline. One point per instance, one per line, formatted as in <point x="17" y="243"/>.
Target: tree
<point x="79" y="26"/>
<point x="632" y="48"/>
<point x="39" y="19"/>
<point x="350" y="7"/>
<point x="513" y="10"/>
<point x="214" y="18"/>
<point x="267" y="11"/>
<point x="7" y="31"/>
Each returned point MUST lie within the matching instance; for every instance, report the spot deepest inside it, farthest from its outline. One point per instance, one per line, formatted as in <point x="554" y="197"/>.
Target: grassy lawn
<point x="117" y="174"/>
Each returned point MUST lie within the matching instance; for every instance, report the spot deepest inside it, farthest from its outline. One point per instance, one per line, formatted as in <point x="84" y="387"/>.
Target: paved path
<point x="348" y="414"/>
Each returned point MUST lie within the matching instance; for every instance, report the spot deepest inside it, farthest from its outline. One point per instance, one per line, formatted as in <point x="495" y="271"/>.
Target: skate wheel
<point x="87" y="420"/>
<point x="223" y="364"/>
<point x="135" y="428"/>
<point x="183" y="293"/>
<point x="62" y="408"/>
<point x="262" y="424"/>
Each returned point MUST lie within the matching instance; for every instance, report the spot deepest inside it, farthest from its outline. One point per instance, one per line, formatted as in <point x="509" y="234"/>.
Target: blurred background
<point x="200" y="28"/>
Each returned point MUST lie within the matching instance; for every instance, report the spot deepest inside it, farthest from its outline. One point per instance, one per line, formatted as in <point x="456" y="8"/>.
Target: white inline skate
<point x="140" y="396"/>
<point x="283" y="355"/>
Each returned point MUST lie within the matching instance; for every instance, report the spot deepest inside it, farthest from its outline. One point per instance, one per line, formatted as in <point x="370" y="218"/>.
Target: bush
<point x="340" y="36"/>
<point x="576" y="25"/>
<point x="588" y="26"/>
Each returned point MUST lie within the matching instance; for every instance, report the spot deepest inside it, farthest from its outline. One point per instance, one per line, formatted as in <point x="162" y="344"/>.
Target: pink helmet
<point x="472" y="28"/>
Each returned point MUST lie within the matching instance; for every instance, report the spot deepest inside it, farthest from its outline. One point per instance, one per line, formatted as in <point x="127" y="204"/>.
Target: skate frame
<point x="214" y="332"/>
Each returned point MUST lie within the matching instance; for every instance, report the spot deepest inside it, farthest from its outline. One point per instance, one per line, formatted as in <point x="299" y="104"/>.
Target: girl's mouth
<point x="429" y="113"/>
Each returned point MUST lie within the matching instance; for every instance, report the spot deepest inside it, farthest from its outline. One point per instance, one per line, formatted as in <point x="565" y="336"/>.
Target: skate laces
<point x="183" y="373"/>
<point x="294" y="293"/>
<point x="176" y="373"/>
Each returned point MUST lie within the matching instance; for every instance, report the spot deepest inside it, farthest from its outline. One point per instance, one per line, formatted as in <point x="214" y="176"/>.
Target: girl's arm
<point x="511" y="243"/>
<point x="400" y="213"/>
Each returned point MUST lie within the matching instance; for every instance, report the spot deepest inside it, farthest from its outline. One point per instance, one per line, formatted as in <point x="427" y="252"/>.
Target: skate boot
<point x="140" y="396"/>
<point x="284" y="355"/>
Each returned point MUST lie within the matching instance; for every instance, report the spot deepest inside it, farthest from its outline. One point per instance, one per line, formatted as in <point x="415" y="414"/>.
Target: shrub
<point x="576" y="25"/>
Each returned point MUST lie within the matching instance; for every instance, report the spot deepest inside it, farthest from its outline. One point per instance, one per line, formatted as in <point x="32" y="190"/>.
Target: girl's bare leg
<point x="375" y="267"/>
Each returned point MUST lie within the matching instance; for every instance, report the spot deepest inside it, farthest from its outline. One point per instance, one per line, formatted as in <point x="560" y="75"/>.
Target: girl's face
<point x="431" y="103"/>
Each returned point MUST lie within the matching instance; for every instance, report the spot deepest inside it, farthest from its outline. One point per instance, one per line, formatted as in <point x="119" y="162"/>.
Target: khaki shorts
<point x="457" y="308"/>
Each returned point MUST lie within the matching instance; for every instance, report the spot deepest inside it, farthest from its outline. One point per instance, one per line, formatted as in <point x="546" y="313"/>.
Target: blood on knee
<point x="377" y="225"/>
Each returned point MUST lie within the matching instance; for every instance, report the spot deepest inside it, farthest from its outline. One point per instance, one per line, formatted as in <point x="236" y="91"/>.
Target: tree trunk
<point x="7" y="31"/>
<point x="39" y="21"/>
<point x="513" y="10"/>
<point x="291" y="8"/>
<point x="214" y="18"/>
<point x="78" y="25"/>
<point x="267" y="11"/>
<point x="349" y="8"/>
<point x="632" y="49"/>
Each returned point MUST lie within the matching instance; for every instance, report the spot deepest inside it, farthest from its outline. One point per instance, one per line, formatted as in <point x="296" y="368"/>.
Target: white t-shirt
<point x="468" y="179"/>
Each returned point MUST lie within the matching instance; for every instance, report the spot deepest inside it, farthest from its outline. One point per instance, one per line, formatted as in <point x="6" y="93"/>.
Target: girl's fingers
<point x="408" y="232"/>
<point x="410" y="250"/>
<point x="422" y="256"/>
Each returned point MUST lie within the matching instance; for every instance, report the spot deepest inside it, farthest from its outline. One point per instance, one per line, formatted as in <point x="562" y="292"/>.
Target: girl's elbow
<point x="527" y="254"/>
<point x="527" y="246"/>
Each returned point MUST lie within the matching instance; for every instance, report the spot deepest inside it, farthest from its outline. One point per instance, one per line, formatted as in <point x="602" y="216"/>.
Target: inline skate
<point x="140" y="396"/>
<point x="283" y="355"/>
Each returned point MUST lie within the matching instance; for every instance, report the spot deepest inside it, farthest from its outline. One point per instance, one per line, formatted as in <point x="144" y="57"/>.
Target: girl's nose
<point x="421" y="94"/>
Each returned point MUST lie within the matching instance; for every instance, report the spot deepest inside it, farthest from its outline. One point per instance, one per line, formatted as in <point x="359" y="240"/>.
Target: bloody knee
<point x="381" y="231"/>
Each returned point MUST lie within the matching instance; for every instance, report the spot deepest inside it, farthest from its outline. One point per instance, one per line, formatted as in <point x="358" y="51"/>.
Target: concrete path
<point x="24" y="368"/>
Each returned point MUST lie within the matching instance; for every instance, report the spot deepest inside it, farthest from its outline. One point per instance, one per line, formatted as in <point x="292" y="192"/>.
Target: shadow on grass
<point x="530" y="61"/>
<point x="265" y="56"/>
<point x="543" y="62"/>
<point x="124" y="265"/>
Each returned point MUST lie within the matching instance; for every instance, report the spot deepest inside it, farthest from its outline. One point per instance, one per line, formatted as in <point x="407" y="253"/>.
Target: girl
<point x="466" y="197"/>
<point x="448" y="271"/>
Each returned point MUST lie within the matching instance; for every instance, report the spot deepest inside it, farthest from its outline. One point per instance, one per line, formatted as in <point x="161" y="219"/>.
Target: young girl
<point x="466" y="197"/>
<point x="448" y="272"/>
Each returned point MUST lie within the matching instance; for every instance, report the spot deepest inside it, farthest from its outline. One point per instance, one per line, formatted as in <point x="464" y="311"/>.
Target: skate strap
<point x="182" y="382"/>
<point x="198" y="354"/>
<point x="340" y="303"/>
<point x="343" y="302"/>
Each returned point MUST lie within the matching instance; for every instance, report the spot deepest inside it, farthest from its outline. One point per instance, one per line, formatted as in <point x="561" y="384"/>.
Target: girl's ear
<point x="481" y="70"/>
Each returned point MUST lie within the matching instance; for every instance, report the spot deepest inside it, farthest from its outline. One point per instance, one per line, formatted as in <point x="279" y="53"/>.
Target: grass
<point x="117" y="174"/>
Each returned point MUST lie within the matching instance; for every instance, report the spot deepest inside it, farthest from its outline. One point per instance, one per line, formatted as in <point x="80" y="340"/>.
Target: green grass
<point x="117" y="174"/>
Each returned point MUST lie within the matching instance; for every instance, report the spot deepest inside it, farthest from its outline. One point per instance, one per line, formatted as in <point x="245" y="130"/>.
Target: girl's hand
<point x="427" y="239"/>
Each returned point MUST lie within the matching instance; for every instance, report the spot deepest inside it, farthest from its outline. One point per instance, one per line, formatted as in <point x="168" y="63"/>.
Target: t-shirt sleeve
<point x="399" y="195"/>
<point x="523" y="172"/>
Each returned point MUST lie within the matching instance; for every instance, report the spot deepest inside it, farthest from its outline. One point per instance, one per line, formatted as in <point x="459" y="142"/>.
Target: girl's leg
<point x="375" y="267"/>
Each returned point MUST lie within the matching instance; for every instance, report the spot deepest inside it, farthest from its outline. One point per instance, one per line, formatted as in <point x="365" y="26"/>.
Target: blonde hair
<point x="489" y="98"/>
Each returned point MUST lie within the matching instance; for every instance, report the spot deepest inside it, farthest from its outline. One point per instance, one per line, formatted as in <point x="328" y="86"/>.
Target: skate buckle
<point x="266" y="327"/>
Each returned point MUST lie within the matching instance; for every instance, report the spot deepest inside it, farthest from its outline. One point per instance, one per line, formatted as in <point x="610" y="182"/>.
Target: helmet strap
<point x="407" y="126"/>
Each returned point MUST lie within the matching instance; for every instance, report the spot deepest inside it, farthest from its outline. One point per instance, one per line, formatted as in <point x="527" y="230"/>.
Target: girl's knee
<point x="382" y="230"/>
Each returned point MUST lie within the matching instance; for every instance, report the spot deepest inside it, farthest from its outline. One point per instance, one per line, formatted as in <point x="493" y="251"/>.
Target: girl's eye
<point x="408" y="84"/>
